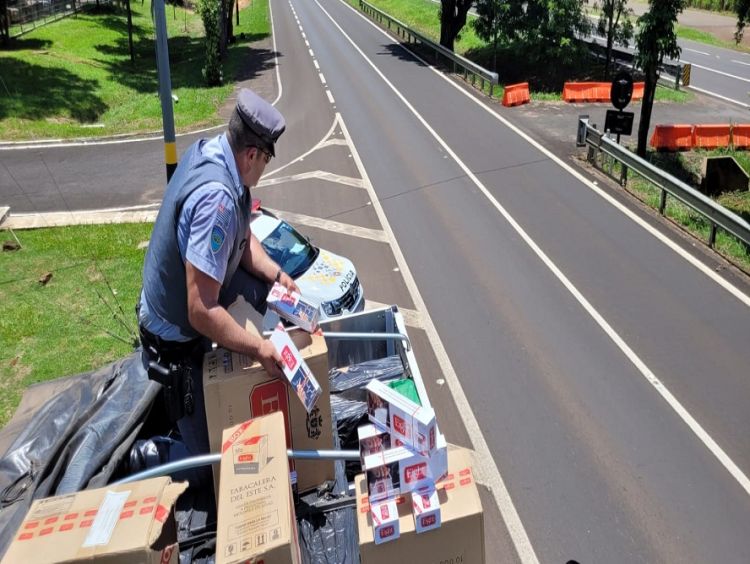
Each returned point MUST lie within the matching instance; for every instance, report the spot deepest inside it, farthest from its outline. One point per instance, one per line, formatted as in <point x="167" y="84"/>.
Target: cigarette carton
<point x="417" y="471"/>
<point x="426" y="507"/>
<point x="371" y="441"/>
<point x="293" y="307"/>
<point x="250" y="456"/>
<point x="295" y="369"/>
<point x="408" y="422"/>
<point x="383" y="481"/>
<point x="385" y="525"/>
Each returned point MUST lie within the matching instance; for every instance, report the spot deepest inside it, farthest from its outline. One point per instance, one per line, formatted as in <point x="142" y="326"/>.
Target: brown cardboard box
<point x="117" y="524"/>
<point x="256" y="516"/>
<point x="237" y="388"/>
<point x="460" y="537"/>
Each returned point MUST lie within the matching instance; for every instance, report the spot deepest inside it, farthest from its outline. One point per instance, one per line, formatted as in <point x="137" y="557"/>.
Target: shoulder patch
<point x="218" y="235"/>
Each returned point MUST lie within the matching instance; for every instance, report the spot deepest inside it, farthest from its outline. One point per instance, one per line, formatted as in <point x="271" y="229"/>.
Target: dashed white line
<point x="322" y="78"/>
<point x="699" y="52"/>
<point x="740" y="62"/>
<point x="311" y="52"/>
<point x="307" y="43"/>
<point x="300" y="27"/>
<point x="317" y="66"/>
<point x="330" y="97"/>
<point x="303" y="35"/>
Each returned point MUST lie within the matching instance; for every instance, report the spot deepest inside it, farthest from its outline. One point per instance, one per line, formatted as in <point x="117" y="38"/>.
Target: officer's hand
<point x="270" y="360"/>
<point x="288" y="283"/>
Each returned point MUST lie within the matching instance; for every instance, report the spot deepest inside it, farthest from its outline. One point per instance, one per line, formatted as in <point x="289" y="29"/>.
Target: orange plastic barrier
<point x="673" y="137"/>
<point x="711" y="136"/>
<point x="741" y="136"/>
<point x="638" y="89"/>
<point x="516" y="94"/>
<point x="586" y="91"/>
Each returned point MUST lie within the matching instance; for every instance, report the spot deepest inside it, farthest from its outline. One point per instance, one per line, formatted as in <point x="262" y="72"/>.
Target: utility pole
<point x="165" y="88"/>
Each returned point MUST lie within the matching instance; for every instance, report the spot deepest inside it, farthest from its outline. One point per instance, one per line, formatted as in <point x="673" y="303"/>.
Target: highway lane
<point x="598" y="463"/>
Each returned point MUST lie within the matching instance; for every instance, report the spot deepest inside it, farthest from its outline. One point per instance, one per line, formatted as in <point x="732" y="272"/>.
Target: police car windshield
<point x="290" y="250"/>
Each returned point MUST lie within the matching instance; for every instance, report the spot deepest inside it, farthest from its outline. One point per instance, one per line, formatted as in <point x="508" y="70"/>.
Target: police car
<point x="321" y="275"/>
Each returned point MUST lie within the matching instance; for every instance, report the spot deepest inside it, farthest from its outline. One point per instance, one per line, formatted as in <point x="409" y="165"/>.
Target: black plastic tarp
<point x="71" y="435"/>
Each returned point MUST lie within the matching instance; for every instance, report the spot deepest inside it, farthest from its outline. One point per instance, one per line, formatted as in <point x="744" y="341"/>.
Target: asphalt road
<point x="606" y="371"/>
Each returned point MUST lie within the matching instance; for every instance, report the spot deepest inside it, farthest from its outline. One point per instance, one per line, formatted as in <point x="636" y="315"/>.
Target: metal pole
<point x="208" y="459"/>
<point x="165" y="88"/>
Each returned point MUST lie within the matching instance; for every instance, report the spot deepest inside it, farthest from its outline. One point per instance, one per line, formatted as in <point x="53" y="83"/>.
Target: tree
<point x="742" y="7"/>
<point x="489" y="21"/>
<point x="611" y="26"/>
<point x="656" y="39"/>
<point x="210" y="12"/>
<point x="4" y="24"/>
<point x="452" y="20"/>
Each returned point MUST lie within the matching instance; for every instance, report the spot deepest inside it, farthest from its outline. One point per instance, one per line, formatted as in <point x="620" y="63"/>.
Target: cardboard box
<point x="384" y="515"/>
<point x="425" y="504"/>
<point x="256" y="521"/>
<point x="299" y="375"/>
<point x="383" y="481"/>
<point x="414" y="425"/>
<point x="293" y="307"/>
<point x="120" y="524"/>
<point x="237" y="388"/>
<point x="461" y="535"/>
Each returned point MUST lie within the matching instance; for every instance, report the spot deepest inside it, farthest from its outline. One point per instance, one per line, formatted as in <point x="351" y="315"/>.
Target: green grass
<point x="669" y="94"/>
<point x="74" y="78"/>
<point x="61" y="328"/>
<point x="701" y="36"/>
<point x="686" y="166"/>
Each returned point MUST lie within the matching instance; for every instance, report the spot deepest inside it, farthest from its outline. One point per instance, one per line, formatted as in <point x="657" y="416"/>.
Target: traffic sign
<point x="620" y="123"/>
<point x="622" y="90"/>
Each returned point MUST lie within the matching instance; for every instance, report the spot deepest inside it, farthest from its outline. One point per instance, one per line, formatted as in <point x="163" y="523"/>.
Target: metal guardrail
<point x="717" y="215"/>
<point x="671" y="73"/>
<point x="470" y="68"/>
<point x="25" y="16"/>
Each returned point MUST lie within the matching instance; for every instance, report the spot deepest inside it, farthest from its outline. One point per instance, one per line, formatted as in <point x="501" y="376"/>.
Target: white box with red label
<point x="295" y="369"/>
<point x="372" y="440"/>
<point x="385" y="525"/>
<point x="250" y="455"/>
<point x="293" y="307"/>
<point x="414" y="470"/>
<point x="426" y="507"/>
<point x="413" y="424"/>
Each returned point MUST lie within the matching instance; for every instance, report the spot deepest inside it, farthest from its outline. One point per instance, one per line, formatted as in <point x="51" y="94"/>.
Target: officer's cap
<point x="261" y="117"/>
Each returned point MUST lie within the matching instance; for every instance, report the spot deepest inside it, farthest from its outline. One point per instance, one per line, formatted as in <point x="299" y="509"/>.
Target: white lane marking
<point x="311" y="52"/>
<point x="330" y="97"/>
<point x="709" y="69"/>
<point x="322" y="78"/>
<point x="412" y="318"/>
<point x="303" y="35"/>
<point x="485" y="463"/>
<point x="136" y="214"/>
<point x="275" y="54"/>
<point x="325" y="140"/>
<point x="307" y="43"/>
<point x="313" y="175"/>
<point x="317" y="66"/>
<point x="300" y="27"/>
<point x="334" y="226"/>
<point x="646" y="372"/>
<point x="740" y="62"/>
<point x="715" y="95"/>
<point x="699" y="52"/>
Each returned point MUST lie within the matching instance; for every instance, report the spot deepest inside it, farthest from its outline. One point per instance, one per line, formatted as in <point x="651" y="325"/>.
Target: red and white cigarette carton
<point x="408" y="422"/>
<point x="426" y="507"/>
<point x="293" y="307"/>
<point x="417" y="471"/>
<point x="251" y="455"/>
<point x="300" y="377"/>
<point x="385" y="525"/>
<point x="372" y="440"/>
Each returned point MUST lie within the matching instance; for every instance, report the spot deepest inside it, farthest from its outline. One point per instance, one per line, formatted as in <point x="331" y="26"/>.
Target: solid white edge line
<point x="715" y="95"/>
<point x="709" y="69"/>
<point x="696" y="51"/>
<point x="275" y="54"/>
<point x="740" y="62"/>
<point x="731" y="288"/>
<point x="646" y="372"/>
<point x="485" y="463"/>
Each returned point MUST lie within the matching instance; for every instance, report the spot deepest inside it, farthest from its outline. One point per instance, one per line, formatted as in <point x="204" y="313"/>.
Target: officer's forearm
<point x="256" y="261"/>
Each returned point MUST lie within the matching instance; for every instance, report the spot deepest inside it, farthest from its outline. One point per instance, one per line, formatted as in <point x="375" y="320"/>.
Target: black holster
<point x="170" y="364"/>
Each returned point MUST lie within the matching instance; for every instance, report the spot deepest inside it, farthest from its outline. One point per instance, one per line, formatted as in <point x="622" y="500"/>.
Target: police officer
<point x="201" y="256"/>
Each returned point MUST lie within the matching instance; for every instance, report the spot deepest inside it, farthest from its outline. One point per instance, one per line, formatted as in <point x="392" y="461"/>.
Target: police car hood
<point x="328" y="278"/>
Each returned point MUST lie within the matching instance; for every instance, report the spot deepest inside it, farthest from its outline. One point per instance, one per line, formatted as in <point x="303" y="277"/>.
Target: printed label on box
<point x="106" y="519"/>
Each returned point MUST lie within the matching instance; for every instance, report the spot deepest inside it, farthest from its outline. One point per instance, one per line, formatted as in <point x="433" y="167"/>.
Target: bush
<point x="210" y="12"/>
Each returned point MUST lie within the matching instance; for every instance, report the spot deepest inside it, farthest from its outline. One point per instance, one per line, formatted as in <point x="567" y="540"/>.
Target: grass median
<point x="74" y="77"/>
<point x="82" y="318"/>
<point x="545" y="82"/>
